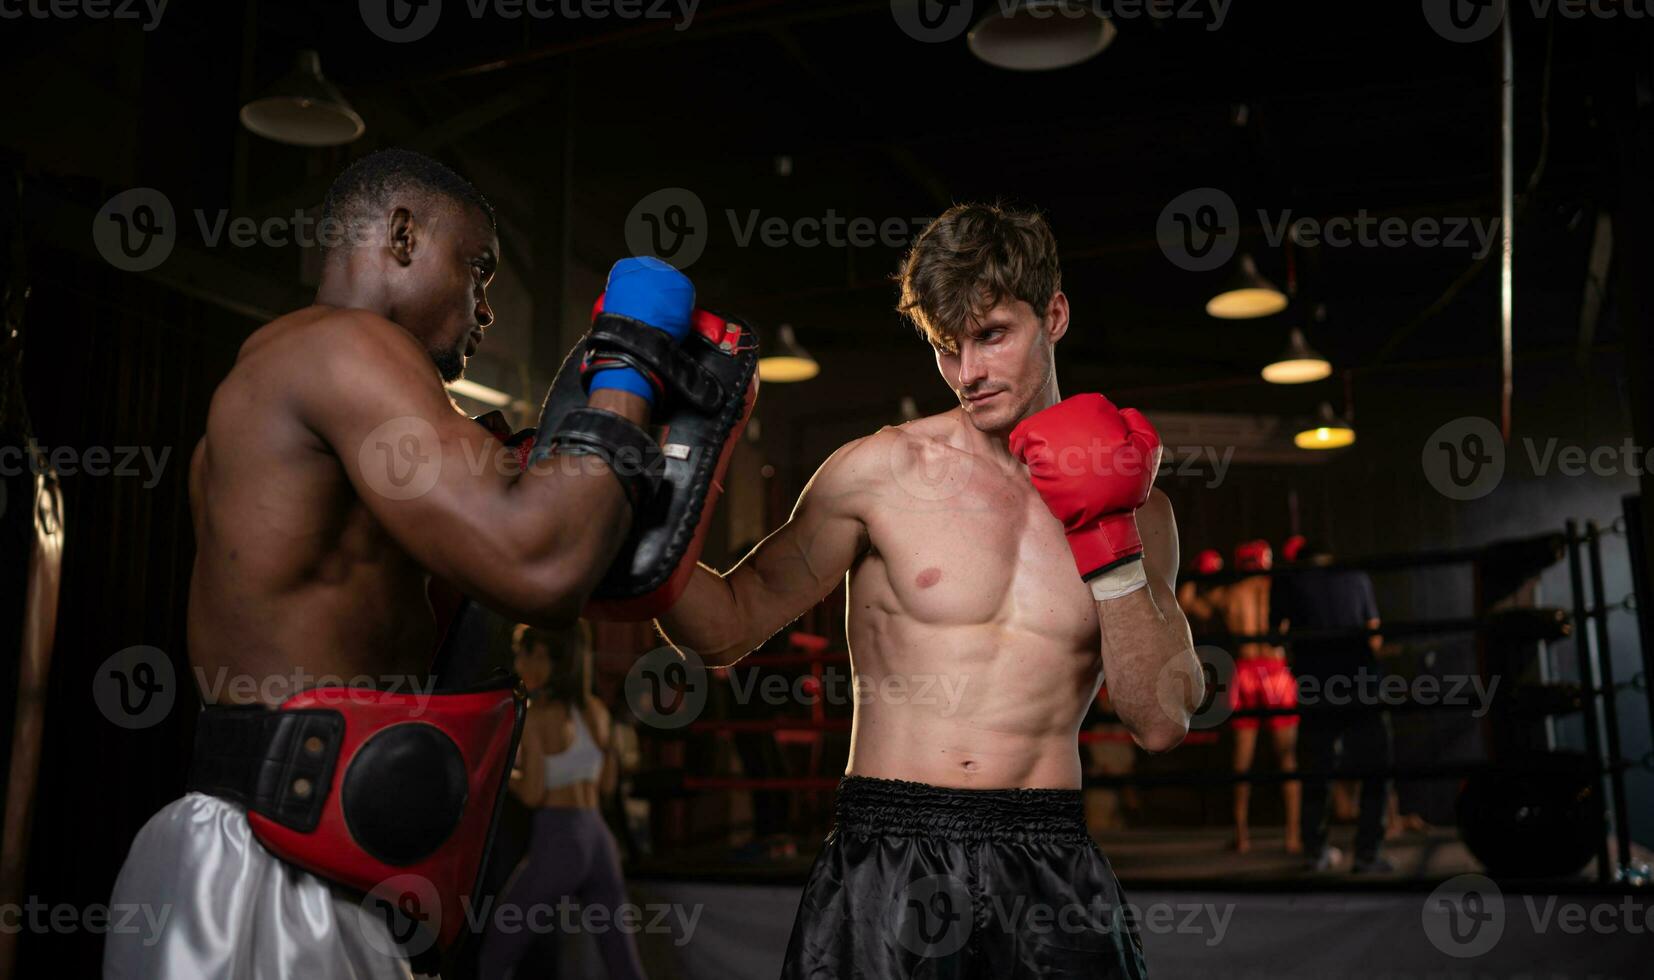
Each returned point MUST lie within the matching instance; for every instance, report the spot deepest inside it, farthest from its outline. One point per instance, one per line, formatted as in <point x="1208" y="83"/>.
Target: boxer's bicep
<point x="433" y="479"/>
<point x="800" y="563"/>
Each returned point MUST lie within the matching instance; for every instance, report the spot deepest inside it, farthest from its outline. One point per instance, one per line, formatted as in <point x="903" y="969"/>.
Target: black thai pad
<point x="710" y="385"/>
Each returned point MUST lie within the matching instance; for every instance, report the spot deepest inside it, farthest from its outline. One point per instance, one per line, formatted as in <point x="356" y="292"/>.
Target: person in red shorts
<point x="1262" y="680"/>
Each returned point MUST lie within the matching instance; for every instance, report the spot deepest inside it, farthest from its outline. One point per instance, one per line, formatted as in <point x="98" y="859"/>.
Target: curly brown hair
<point x="968" y="260"/>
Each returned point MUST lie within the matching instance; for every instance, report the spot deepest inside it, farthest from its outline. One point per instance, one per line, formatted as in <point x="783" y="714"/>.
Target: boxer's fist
<point x="1093" y="465"/>
<point x="651" y="292"/>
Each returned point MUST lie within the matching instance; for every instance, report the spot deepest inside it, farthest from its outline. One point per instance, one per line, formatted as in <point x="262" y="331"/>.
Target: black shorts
<point x="919" y="881"/>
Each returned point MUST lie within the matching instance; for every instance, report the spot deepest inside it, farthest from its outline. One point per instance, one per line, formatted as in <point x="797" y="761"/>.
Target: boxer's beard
<point x="450" y="363"/>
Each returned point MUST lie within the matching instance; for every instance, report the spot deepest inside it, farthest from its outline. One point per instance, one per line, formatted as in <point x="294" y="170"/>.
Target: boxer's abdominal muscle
<point x="974" y="643"/>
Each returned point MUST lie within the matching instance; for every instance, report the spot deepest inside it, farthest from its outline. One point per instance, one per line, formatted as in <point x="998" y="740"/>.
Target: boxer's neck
<point x="342" y="288"/>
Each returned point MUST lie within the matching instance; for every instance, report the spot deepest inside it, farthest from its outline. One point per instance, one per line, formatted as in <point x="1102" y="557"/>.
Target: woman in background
<point x="564" y="768"/>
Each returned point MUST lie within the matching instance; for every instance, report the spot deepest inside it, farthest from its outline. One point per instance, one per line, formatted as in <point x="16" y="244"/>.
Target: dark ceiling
<point x="569" y="124"/>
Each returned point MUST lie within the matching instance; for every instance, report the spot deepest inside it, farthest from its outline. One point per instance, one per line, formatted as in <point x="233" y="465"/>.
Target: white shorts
<point x="213" y="903"/>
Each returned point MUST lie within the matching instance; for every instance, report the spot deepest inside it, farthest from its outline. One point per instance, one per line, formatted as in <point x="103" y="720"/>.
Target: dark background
<point x="566" y="126"/>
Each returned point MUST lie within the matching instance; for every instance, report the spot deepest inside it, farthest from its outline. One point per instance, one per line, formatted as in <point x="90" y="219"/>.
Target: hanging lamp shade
<point x="787" y="360"/>
<point x="1246" y="294"/>
<point x="303" y="109"/>
<point x="1040" y="35"/>
<point x="1330" y="432"/>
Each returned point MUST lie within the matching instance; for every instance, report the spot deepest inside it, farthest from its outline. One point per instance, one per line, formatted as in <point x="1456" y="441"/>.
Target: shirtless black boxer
<point x="335" y="478"/>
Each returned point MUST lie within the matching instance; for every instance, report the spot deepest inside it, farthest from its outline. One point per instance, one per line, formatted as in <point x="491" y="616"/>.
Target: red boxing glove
<point x="520" y="443"/>
<point x="1093" y="465"/>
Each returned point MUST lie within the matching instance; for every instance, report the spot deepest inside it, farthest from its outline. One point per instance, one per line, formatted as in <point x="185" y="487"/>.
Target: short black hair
<point x="366" y="186"/>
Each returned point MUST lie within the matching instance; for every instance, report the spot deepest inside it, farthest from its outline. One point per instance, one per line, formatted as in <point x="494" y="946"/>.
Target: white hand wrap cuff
<point x="1116" y="582"/>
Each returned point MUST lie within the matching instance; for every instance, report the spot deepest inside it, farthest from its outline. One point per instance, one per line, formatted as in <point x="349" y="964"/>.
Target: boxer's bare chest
<point x="959" y="540"/>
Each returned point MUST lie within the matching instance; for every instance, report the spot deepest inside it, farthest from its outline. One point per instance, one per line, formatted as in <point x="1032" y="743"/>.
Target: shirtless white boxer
<point x="994" y="547"/>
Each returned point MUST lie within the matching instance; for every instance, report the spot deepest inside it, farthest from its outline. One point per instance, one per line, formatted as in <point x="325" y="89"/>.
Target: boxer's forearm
<point x="567" y="519"/>
<point x="1154" y="679"/>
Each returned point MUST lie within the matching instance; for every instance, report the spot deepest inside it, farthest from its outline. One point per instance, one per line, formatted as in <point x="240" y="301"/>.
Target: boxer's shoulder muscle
<point x="852" y="477"/>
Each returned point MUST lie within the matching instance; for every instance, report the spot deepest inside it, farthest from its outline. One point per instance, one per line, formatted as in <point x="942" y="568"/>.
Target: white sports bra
<point x="580" y="762"/>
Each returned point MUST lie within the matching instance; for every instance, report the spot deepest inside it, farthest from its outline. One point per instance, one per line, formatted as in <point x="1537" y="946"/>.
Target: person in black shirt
<point x="1333" y="673"/>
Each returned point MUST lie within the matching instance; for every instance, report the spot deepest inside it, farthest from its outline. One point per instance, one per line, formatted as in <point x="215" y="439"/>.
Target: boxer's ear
<point x="1055" y="320"/>
<point x="400" y="237"/>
